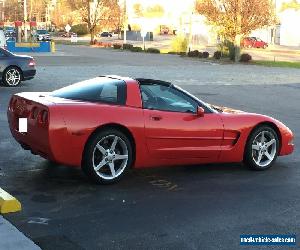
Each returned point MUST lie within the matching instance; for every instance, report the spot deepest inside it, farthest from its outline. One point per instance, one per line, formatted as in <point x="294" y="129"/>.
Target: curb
<point x="8" y="203"/>
<point x="13" y="239"/>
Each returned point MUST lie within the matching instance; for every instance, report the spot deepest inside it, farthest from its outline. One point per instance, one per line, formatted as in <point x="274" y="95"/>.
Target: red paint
<point x="58" y="129"/>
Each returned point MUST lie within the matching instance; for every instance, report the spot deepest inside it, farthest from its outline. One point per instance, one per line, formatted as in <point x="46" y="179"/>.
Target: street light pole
<point x="25" y="20"/>
<point x="125" y="24"/>
<point x="237" y="40"/>
<point x="188" y="48"/>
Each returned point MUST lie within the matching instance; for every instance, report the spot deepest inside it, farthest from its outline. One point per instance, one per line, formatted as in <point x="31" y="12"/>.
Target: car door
<point x="3" y="63"/>
<point x="172" y="128"/>
<point x="259" y="43"/>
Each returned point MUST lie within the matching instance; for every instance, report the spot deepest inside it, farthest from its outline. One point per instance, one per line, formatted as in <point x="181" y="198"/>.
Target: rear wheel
<point x="107" y="156"/>
<point x="12" y="77"/>
<point x="262" y="148"/>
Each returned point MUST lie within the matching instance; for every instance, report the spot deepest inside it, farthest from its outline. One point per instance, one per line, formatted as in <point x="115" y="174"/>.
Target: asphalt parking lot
<point x="187" y="207"/>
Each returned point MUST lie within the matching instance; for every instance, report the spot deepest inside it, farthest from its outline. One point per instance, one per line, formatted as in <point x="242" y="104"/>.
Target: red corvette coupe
<point x="108" y="124"/>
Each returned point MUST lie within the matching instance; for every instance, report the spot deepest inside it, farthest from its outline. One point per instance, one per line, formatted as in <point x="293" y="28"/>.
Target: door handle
<point x="155" y="118"/>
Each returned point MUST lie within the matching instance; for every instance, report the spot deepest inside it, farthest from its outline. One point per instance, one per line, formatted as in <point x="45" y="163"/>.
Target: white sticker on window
<point x="23" y="125"/>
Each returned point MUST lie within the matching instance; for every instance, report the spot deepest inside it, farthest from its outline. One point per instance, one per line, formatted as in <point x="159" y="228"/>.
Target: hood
<point x="226" y="109"/>
<point x="23" y="56"/>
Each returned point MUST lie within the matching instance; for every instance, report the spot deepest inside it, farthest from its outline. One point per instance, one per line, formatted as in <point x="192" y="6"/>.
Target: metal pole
<point x="25" y="20"/>
<point x="188" y="48"/>
<point x="125" y="24"/>
<point x="237" y="41"/>
<point x="144" y="43"/>
<point x="2" y="10"/>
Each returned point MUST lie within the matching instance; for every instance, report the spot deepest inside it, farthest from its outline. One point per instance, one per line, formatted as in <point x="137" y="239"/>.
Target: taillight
<point x="12" y="104"/>
<point x="43" y="117"/>
<point x="34" y="113"/>
<point x="31" y="63"/>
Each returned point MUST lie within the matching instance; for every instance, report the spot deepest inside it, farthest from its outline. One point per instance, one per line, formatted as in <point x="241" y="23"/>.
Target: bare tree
<point x="237" y="18"/>
<point x="93" y="12"/>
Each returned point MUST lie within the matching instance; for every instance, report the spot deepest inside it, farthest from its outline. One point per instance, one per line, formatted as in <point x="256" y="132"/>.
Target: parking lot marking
<point x="161" y="183"/>
<point x="8" y="203"/>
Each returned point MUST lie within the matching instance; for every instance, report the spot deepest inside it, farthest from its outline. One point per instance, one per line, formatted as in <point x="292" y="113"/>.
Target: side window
<point x="166" y="98"/>
<point x="109" y="93"/>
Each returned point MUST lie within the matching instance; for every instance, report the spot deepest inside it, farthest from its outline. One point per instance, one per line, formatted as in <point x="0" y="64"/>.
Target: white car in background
<point x="43" y="35"/>
<point x="3" y="44"/>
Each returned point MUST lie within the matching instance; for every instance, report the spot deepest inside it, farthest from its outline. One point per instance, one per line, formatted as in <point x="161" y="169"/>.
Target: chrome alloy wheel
<point x="264" y="148"/>
<point x="13" y="77"/>
<point x="110" y="156"/>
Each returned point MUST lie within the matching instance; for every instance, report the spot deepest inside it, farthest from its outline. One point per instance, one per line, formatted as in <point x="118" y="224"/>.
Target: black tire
<point x="251" y="154"/>
<point x="5" y="77"/>
<point x="92" y="156"/>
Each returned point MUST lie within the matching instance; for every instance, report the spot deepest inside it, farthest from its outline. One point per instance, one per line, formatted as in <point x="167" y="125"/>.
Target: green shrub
<point x="193" y="53"/>
<point x="136" y="49"/>
<point x="179" y="43"/>
<point x="80" y="29"/>
<point x="172" y="53"/>
<point x="245" y="58"/>
<point x="217" y="54"/>
<point x="127" y="46"/>
<point x="181" y="53"/>
<point x="205" y="54"/>
<point x="117" y="46"/>
<point x="153" y="50"/>
<point x="228" y="49"/>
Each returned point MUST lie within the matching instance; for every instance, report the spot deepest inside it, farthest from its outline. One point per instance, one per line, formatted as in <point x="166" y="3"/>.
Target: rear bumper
<point x="29" y="74"/>
<point x="42" y="138"/>
<point x="35" y="141"/>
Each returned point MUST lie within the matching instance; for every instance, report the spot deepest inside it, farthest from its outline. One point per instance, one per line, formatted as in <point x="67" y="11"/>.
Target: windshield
<point x="42" y="32"/>
<point x="208" y="106"/>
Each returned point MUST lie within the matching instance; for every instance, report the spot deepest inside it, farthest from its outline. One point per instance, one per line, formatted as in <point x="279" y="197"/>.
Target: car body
<point x="161" y="124"/>
<point x="3" y="44"/>
<point x="10" y="36"/>
<point x="254" y="42"/>
<point x="68" y="34"/>
<point x="105" y="34"/>
<point x="42" y="35"/>
<point x="15" y="68"/>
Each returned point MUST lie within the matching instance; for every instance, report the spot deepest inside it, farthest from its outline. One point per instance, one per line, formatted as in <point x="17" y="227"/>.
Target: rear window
<point x="99" y="89"/>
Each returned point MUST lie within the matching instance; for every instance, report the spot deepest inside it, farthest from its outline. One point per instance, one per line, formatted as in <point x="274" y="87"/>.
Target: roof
<point x="140" y="80"/>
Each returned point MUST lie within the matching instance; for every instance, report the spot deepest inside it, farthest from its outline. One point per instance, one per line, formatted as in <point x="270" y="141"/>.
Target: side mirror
<point x="200" y="111"/>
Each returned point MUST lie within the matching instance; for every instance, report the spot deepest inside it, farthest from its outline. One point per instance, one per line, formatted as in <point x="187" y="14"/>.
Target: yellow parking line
<point x="8" y="203"/>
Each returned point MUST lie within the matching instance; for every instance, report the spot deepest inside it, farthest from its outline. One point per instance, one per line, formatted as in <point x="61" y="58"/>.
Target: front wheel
<point x="262" y="148"/>
<point x="107" y="156"/>
<point x="12" y="77"/>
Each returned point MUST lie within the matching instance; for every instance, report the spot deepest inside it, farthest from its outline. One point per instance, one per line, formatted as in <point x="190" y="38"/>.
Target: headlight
<point x="291" y="142"/>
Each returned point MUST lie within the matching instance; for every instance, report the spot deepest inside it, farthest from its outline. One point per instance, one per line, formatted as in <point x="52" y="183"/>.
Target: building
<point x="178" y="14"/>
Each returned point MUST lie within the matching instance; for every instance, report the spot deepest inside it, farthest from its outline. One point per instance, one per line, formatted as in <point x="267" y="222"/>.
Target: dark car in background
<point x="15" y="68"/>
<point x="253" y="42"/>
<point x="105" y="34"/>
<point x="68" y="34"/>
